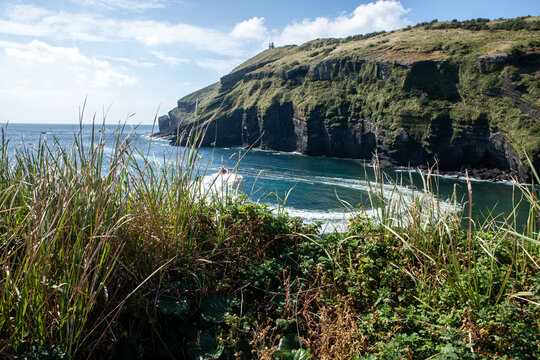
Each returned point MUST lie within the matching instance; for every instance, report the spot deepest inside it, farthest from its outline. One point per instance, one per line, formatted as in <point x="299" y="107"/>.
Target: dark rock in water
<point x="350" y="98"/>
<point x="164" y="123"/>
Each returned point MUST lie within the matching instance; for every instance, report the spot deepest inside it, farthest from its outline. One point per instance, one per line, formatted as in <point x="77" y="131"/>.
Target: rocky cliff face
<point x="476" y="112"/>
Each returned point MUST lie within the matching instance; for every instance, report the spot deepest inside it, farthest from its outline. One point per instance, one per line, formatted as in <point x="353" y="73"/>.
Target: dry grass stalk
<point x="332" y="334"/>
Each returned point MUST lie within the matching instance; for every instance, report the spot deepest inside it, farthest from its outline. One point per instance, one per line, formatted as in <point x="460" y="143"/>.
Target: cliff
<point x="465" y="96"/>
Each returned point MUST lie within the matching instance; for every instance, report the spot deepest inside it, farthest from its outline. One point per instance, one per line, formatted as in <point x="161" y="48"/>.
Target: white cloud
<point x="105" y="76"/>
<point x="38" y="51"/>
<point x="252" y="29"/>
<point x="61" y="26"/>
<point x="68" y="61"/>
<point x="124" y="4"/>
<point x="374" y="16"/>
<point x="25" y="13"/>
<point x="132" y="62"/>
<point x="93" y="28"/>
<point x="23" y="28"/>
<point x="171" y="60"/>
<point x="220" y="66"/>
<point x="154" y="33"/>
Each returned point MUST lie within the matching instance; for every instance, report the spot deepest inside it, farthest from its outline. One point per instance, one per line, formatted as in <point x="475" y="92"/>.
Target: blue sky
<point x="137" y="57"/>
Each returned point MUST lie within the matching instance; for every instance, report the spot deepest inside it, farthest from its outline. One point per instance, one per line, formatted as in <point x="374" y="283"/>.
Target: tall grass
<point x="82" y="228"/>
<point x="60" y="224"/>
<point x="450" y="247"/>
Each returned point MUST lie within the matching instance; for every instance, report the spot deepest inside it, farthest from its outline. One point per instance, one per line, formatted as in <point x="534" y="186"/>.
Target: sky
<point x="130" y="60"/>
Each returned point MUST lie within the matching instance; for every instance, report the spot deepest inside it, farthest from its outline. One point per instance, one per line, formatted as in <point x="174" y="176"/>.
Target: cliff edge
<point x="463" y="94"/>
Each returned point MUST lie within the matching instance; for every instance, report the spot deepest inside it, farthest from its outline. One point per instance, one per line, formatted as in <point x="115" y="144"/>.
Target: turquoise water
<point x="316" y="184"/>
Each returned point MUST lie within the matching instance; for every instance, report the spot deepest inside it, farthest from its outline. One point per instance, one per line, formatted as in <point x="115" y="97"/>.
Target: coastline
<point x="489" y="175"/>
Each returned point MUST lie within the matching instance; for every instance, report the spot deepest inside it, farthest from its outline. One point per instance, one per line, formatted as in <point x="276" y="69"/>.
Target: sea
<point x="316" y="189"/>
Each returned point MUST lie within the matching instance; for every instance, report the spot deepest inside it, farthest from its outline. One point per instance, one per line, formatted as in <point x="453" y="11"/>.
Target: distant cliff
<point x="465" y="96"/>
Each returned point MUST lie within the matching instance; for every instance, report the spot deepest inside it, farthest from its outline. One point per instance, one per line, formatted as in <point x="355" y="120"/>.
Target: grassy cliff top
<point x="426" y="41"/>
<point x="404" y="80"/>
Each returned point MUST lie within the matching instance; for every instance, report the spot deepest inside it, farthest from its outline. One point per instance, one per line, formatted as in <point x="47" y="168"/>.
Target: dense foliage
<point x="516" y="24"/>
<point x="111" y="257"/>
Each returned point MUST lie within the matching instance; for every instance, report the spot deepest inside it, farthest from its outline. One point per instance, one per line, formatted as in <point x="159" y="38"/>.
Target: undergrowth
<point x="105" y="255"/>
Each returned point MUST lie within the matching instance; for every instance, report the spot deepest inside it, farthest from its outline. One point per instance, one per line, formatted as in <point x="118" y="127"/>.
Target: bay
<point x="315" y="188"/>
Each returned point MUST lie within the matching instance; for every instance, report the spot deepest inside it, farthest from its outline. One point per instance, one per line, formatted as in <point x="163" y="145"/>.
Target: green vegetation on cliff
<point x="419" y="87"/>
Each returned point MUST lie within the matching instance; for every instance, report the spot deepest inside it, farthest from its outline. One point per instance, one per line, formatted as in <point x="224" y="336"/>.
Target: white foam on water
<point x="333" y="220"/>
<point x="158" y="140"/>
<point x="312" y="216"/>
<point x="221" y="184"/>
<point x="396" y="198"/>
<point x="455" y="177"/>
<point x="339" y="220"/>
<point x="473" y="180"/>
<point x="279" y="153"/>
<point x="352" y="183"/>
<point x="405" y="204"/>
<point x="405" y="170"/>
